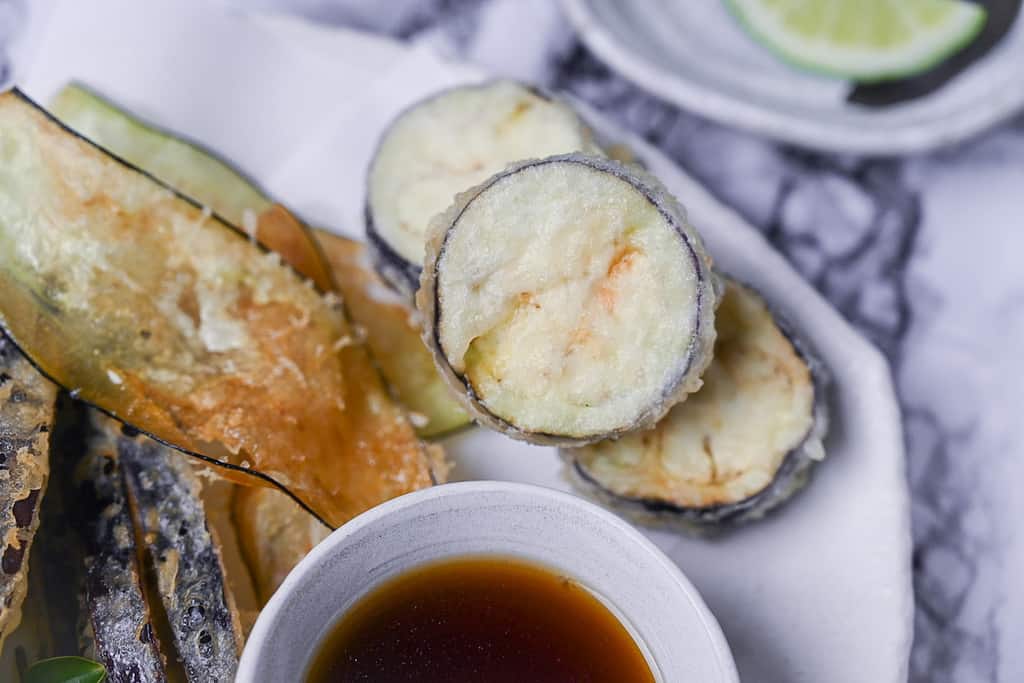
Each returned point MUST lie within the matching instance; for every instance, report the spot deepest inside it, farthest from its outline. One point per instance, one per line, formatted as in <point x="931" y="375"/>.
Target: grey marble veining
<point x="922" y="255"/>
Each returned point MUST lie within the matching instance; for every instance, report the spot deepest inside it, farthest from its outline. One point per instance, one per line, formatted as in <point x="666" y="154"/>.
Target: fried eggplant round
<point x="567" y="300"/>
<point x="737" y="448"/>
<point x="446" y="143"/>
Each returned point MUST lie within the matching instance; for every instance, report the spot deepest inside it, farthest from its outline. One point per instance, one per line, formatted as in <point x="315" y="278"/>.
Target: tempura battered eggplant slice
<point x="27" y="403"/>
<point x="189" y="574"/>
<point x="118" y="617"/>
<point x="446" y="143"/>
<point x="58" y="556"/>
<point x="567" y="300"/>
<point x="393" y="335"/>
<point x="228" y="194"/>
<point x="205" y="342"/>
<point x="737" y="448"/>
<point x="218" y="496"/>
<point x="190" y="169"/>
<point x="275" y="534"/>
<point x="297" y="245"/>
<point x="281" y="232"/>
<point x="381" y="318"/>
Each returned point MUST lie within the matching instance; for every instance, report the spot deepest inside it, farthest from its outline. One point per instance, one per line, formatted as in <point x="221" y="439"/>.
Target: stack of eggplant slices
<point x="519" y="273"/>
<point x="567" y="301"/>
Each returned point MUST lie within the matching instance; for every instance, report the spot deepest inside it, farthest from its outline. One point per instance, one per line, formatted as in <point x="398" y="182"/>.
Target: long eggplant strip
<point x="170" y="320"/>
<point x="192" y="170"/>
<point x="218" y="496"/>
<point x="390" y="327"/>
<point x="27" y="403"/>
<point x="117" y="614"/>
<point x="393" y="335"/>
<point x="189" y="574"/>
<point x="282" y="233"/>
<point x="197" y="172"/>
<point x="275" y="534"/>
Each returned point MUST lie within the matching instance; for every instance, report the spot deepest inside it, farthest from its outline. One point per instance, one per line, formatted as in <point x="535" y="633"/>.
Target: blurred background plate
<point x="695" y="55"/>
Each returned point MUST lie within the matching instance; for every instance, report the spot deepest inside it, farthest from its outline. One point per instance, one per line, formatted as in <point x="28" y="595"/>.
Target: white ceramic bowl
<point x="644" y="588"/>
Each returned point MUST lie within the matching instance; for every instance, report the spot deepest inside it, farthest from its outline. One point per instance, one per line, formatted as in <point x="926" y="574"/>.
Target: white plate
<point x="694" y="54"/>
<point x="820" y="591"/>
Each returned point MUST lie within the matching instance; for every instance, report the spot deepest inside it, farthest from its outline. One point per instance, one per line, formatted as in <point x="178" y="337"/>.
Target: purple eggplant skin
<point x="189" y="573"/>
<point x="404" y="275"/>
<point x="27" y="403"/>
<point x="214" y="218"/>
<point x="699" y="353"/>
<point x="793" y="474"/>
<point x="115" y="497"/>
<point x="119" y="618"/>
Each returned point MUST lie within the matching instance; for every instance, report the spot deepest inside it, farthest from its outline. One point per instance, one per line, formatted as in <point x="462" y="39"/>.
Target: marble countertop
<point x="920" y="254"/>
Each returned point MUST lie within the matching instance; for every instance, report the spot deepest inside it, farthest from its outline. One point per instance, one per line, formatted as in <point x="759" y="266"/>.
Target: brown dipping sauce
<point x="479" y="619"/>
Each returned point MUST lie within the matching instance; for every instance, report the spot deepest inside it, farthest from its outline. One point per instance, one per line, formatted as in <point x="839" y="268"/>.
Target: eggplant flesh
<point x="207" y="343"/>
<point x="592" y="319"/>
<point x="165" y="494"/>
<point x="27" y="402"/>
<point x="132" y="575"/>
<point x="740" y="446"/>
<point x="446" y="143"/>
<point x="381" y="320"/>
<point x="407" y="368"/>
<point x="392" y="338"/>
<point x="58" y="557"/>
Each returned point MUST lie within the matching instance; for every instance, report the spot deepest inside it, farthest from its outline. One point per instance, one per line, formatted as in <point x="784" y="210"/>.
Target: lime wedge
<point x="863" y="40"/>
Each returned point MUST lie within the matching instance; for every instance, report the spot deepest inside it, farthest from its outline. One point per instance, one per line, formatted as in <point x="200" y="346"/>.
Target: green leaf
<point x="66" y="670"/>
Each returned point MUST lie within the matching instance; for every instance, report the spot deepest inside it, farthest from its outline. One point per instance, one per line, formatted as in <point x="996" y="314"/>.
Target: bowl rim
<point x="262" y="630"/>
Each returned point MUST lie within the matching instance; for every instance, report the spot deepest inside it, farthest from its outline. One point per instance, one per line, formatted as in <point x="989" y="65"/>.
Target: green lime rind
<point x="968" y="31"/>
